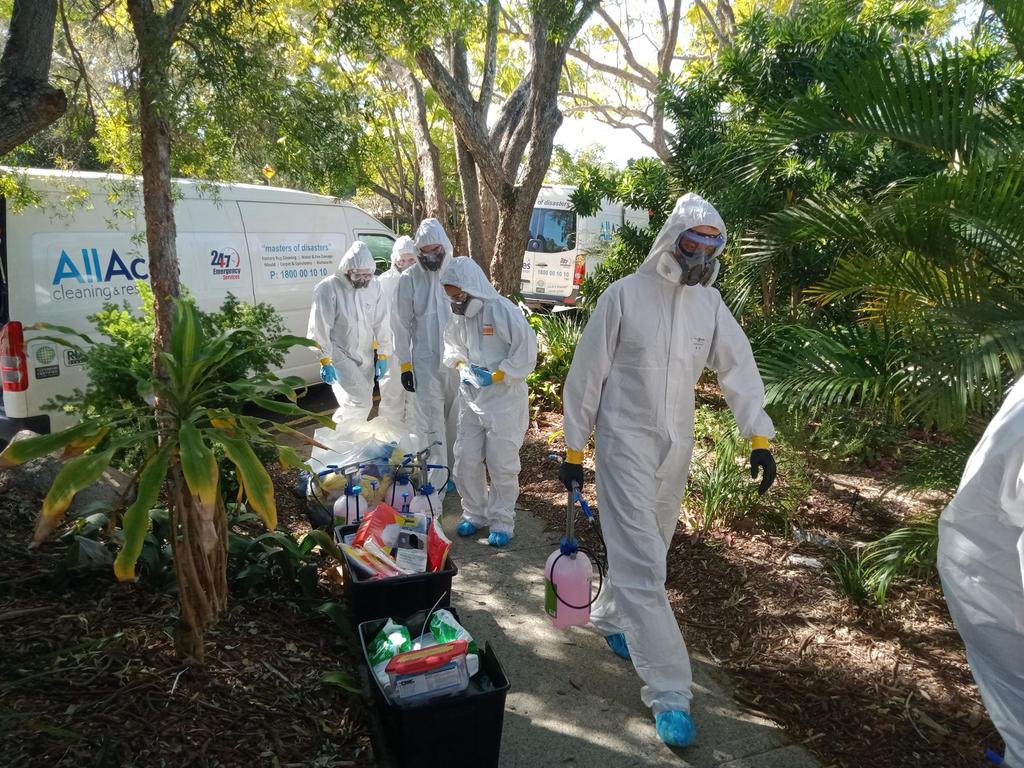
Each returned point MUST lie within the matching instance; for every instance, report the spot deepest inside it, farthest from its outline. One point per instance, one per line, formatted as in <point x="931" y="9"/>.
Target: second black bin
<point x="462" y="730"/>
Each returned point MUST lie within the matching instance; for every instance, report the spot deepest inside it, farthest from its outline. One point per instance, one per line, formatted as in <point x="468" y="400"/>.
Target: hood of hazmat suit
<point x="493" y="419"/>
<point x="404" y="248"/>
<point x="633" y="377"/>
<point x="981" y="562"/>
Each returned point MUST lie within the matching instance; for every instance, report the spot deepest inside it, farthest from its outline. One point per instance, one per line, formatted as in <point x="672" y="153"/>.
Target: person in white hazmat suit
<point x="981" y="563"/>
<point x="494" y="349"/>
<point x="422" y="312"/>
<point x="633" y="377"/>
<point x="396" y="405"/>
<point x="348" y="320"/>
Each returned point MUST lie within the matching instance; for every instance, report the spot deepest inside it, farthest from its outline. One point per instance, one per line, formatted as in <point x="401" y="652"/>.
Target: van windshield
<point x="551" y="231"/>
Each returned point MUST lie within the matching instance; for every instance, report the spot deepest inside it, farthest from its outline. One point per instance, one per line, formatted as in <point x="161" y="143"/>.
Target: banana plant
<point x="187" y="404"/>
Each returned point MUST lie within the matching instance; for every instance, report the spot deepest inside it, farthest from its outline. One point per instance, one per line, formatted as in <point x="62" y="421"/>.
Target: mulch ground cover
<point x="860" y="686"/>
<point x="88" y="675"/>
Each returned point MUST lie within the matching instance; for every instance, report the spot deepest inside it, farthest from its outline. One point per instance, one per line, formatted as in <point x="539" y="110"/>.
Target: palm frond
<point x="909" y="551"/>
<point x="1011" y="15"/>
<point x="937" y="102"/>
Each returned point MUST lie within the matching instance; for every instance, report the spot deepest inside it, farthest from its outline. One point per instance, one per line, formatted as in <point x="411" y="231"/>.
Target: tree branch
<point x="618" y="72"/>
<point x="176" y="17"/>
<point x="663" y="12"/>
<point x="463" y="112"/>
<point x="391" y="197"/>
<point x="719" y="35"/>
<point x="671" y="40"/>
<point x="490" y="62"/>
<point x="511" y="113"/>
<point x="76" y="57"/>
<point x="28" y="103"/>
<point x="590" y="104"/>
<point x="627" y="49"/>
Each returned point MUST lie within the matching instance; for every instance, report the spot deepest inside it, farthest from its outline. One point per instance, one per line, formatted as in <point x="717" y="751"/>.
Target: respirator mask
<point x="697" y="256"/>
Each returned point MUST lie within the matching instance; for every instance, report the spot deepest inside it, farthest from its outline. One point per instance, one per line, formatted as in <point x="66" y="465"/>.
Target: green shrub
<point x="620" y="259"/>
<point x="557" y="337"/>
<point x="720" y="488"/>
<point x="117" y="365"/>
<point x="849" y="574"/>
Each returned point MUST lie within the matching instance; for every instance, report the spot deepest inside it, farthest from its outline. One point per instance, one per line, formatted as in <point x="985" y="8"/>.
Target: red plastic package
<point x="438" y="546"/>
<point x="374" y="523"/>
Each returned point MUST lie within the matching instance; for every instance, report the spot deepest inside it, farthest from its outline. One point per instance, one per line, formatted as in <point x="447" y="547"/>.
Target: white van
<point x="85" y="246"/>
<point x="561" y="246"/>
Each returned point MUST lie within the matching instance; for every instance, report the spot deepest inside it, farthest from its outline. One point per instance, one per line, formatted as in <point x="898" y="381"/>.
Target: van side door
<point x="293" y="246"/>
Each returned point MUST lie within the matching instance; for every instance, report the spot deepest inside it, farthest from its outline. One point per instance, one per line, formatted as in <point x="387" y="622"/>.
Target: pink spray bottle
<point x="568" y="574"/>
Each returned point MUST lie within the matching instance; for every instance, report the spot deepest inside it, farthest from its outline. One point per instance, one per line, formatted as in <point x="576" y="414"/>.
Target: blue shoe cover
<point x="465" y="528"/>
<point x="498" y="539"/>
<point x="449" y="487"/>
<point x="675" y="728"/>
<point x="618" y="644"/>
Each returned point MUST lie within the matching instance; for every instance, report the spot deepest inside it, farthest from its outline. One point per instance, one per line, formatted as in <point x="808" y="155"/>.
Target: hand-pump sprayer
<point x="568" y="573"/>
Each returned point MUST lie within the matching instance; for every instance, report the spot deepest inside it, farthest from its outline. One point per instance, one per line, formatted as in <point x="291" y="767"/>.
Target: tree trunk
<point x="489" y="224"/>
<point x="767" y="291"/>
<point x="470" y="185"/>
<point x="201" y="574"/>
<point x="427" y="156"/>
<point x="161" y="232"/>
<point x="507" y="266"/>
<point x="28" y="104"/>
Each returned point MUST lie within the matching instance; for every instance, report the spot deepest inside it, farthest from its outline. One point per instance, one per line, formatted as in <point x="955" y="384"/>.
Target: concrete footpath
<point x="572" y="701"/>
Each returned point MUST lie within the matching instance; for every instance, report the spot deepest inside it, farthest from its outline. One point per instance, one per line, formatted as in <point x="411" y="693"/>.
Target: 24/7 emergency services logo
<point x="93" y="275"/>
<point x="226" y="264"/>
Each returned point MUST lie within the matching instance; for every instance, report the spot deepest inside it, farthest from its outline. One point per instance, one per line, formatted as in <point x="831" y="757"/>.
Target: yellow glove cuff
<point x="405" y="367"/>
<point x="381" y="357"/>
<point x="498" y="375"/>
<point x="573" y="457"/>
<point x="757" y="442"/>
<point x="459" y="363"/>
<point x="325" y="361"/>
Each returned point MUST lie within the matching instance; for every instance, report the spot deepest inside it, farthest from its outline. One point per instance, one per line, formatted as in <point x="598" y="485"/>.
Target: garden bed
<point x="88" y="675"/>
<point x="860" y="686"/>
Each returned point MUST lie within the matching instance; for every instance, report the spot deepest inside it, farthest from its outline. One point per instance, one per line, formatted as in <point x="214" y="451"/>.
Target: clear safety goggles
<point x="360" y="278"/>
<point x="405" y="260"/>
<point x="691" y="244"/>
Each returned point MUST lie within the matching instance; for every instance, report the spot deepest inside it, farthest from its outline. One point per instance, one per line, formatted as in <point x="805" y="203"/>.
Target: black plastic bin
<point x="399" y="595"/>
<point x="462" y="730"/>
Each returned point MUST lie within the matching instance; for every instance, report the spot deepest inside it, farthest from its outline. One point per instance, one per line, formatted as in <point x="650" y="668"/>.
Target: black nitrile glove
<point x="408" y="381"/>
<point x="569" y="474"/>
<point x="762" y="459"/>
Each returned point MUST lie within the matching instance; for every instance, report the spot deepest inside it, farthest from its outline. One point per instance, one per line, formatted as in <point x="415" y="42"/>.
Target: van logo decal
<point x="226" y="264"/>
<point x="93" y="271"/>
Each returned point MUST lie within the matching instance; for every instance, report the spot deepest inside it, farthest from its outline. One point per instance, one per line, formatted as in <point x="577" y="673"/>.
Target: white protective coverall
<point x="346" y="321"/>
<point x="633" y="377"/>
<point x="981" y="562"/>
<point x="422" y="312"/>
<point x="493" y="419"/>
<point x="396" y="405"/>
